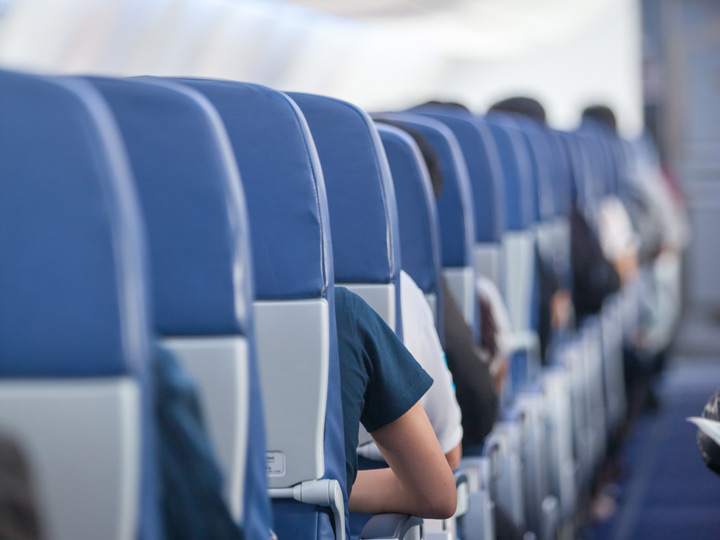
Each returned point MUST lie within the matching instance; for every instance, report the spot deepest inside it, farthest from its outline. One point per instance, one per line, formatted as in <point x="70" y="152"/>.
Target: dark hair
<point x="448" y="104"/>
<point x="428" y="153"/>
<point x="602" y="114"/>
<point x="521" y="105"/>
<point x="709" y="449"/>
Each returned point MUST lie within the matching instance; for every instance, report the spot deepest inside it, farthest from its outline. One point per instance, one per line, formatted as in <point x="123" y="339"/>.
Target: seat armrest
<point x="523" y="341"/>
<point x="392" y="527"/>
<point x="479" y="470"/>
<point x="321" y="492"/>
<point x="462" y="487"/>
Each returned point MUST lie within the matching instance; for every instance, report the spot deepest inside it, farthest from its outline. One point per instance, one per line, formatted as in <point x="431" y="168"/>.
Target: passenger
<point x="555" y="306"/>
<point x="18" y="510"/>
<point x="594" y="276"/>
<point x="440" y="403"/>
<point x="191" y="484"/>
<point x="709" y="449"/>
<point x="479" y="372"/>
<point x="381" y="387"/>
<point x="661" y="233"/>
<point x="476" y="389"/>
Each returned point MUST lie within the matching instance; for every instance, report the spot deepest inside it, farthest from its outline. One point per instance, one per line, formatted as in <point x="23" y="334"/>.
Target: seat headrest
<point x="543" y="167"/>
<point x="361" y="196"/>
<point x="606" y="166"/>
<point x="484" y="169"/>
<point x="189" y="190"/>
<point x="72" y="278"/>
<point x="284" y="188"/>
<point x="419" y="229"/>
<point x="455" y="204"/>
<point x="517" y="172"/>
<point x="563" y="174"/>
<point x="578" y="168"/>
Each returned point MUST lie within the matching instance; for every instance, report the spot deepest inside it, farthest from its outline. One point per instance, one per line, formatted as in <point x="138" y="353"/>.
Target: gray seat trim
<point x="82" y="441"/>
<point x="220" y="368"/>
<point x="381" y="297"/>
<point x="293" y="344"/>
<point x="461" y="282"/>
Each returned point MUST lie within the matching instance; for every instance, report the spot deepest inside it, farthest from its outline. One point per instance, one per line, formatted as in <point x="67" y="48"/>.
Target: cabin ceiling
<point x="472" y="28"/>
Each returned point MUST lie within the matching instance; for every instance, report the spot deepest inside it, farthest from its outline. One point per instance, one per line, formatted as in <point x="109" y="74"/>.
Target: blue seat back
<point x="486" y="182"/>
<point x="189" y="190"/>
<point x="517" y="173"/>
<point x="455" y="210"/>
<point x="543" y="168"/>
<point x="484" y="169"/>
<point x="562" y="180"/>
<point x="294" y="310"/>
<point x="417" y="214"/>
<point x="520" y="279"/>
<point x="194" y="210"/>
<point x="361" y="198"/>
<point x="74" y="318"/>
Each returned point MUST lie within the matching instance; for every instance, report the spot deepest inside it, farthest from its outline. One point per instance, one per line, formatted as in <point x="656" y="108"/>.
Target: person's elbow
<point x="441" y="502"/>
<point x="454" y="456"/>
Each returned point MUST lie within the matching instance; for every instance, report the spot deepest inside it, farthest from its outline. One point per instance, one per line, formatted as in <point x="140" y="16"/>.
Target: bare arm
<point x="419" y="481"/>
<point x="454" y="456"/>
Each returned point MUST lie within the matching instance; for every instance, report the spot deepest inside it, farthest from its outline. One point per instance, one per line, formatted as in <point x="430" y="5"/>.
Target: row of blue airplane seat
<point x="208" y="222"/>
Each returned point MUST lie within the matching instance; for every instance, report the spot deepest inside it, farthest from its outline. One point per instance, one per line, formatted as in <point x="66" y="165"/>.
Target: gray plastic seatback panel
<point x="293" y="346"/>
<point x="381" y="297"/>
<point x="615" y="396"/>
<point x="558" y="404"/>
<point x="545" y="238"/>
<point x="82" y="442"/>
<point x="461" y="282"/>
<point x="519" y="271"/>
<point x="488" y="262"/>
<point x="561" y="244"/>
<point x="219" y="367"/>
<point x="432" y="302"/>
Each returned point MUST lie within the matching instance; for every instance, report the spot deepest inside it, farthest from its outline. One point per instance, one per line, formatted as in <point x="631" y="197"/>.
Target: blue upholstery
<point x="67" y="204"/>
<point x="195" y="213"/>
<point x="417" y="213"/>
<point x="577" y="168"/>
<point x="291" y="255"/>
<point x="516" y="172"/>
<point x="192" y="203"/>
<point x="542" y="165"/>
<point x="289" y="221"/>
<point x="455" y="207"/>
<point x="562" y="178"/>
<point x="485" y="172"/>
<point x="361" y="196"/>
<point x="73" y="280"/>
<point x="596" y="170"/>
<point x="606" y="157"/>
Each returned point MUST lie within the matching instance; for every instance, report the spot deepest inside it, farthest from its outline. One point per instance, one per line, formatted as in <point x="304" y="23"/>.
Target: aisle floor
<point x="667" y="493"/>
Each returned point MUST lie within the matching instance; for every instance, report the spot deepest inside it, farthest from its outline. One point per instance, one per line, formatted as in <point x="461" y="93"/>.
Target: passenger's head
<point x="601" y="114"/>
<point x="429" y="156"/>
<point x="521" y="105"/>
<point x="447" y="104"/>
<point x="709" y="449"/>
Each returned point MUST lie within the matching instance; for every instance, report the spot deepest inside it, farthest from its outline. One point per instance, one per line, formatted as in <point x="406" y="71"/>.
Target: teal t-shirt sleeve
<point x="396" y="380"/>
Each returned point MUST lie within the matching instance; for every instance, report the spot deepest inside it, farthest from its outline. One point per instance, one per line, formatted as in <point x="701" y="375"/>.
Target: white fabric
<point x="487" y="290"/>
<point x="421" y="339"/>
<point x="617" y="236"/>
